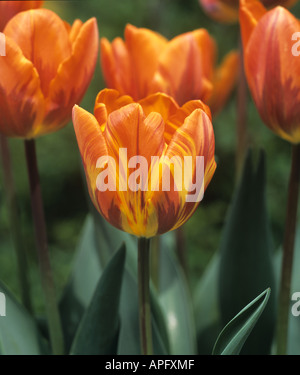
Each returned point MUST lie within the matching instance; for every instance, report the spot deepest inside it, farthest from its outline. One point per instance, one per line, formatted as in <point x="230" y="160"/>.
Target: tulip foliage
<point x="176" y="251"/>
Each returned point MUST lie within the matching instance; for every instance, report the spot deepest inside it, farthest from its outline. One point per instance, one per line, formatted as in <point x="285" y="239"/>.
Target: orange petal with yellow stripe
<point x="194" y="138"/>
<point x="92" y="146"/>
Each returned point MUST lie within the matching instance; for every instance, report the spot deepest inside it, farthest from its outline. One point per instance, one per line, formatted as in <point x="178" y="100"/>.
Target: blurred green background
<point x="60" y="166"/>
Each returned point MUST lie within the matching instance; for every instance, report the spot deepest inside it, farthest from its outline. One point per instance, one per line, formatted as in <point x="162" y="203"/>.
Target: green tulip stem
<point x="52" y="312"/>
<point x="14" y="221"/>
<point x="241" y="125"/>
<point x="288" y="253"/>
<point x="144" y="295"/>
<point x="155" y="261"/>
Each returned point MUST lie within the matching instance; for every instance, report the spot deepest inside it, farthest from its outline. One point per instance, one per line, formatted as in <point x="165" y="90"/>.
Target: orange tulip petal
<point x="8" y="9"/>
<point x="92" y="146"/>
<point x="116" y="65"/>
<point x="129" y="128"/>
<point x="194" y="138"/>
<point x="274" y="77"/>
<point x="107" y="101"/>
<point x="175" y="121"/>
<point x="161" y="103"/>
<point x="73" y="76"/>
<point x="208" y="51"/>
<point x="22" y="101"/>
<point x="74" y="30"/>
<point x="34" y="31"/>
<point x="250" y="13"/>
<point x="144" y="47"/>
<point x="224" y="81"/>
<point x="181" y="70"/>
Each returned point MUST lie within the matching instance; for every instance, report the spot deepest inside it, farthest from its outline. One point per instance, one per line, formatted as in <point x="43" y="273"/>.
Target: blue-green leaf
<point x="99" y="236"/>
<point x="175" y="300"/>
<point x="206" y="307"/>
<point x="19" y="334"/>
<point x="246" y="256"/>
<point x="99" y="327"/>
<point x="85" y="274"/>
<point x="236" y="332"/>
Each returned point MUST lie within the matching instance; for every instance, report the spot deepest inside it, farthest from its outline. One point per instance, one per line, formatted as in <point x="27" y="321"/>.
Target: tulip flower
<point x="123" y="133"/>
<point x="47" y="69"/>
<point x="184" y="67"/>
<point x="8" y="9"/>
<point x="220" y="10"/>
<point x="271" y="68"/>
<point x="227" y="11"/>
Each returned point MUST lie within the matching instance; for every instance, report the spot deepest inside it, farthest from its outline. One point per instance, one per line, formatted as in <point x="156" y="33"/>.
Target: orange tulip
<point x="8" y="9"/>
<point x="131" y="149"/>
<point x="183" y="68"/>
<point x="227" y="11"/>
<point x="272" y="66"/>
<point x="47" y="69"/>
<point x="220" y="10"/>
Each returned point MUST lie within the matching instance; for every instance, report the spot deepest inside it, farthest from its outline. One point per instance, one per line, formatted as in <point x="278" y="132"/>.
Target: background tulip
<point x="156" y="126"/>
<point x="46" y="70"/>
<point x="184" y="67"/>
<point x="274" y="83"/>
<point x="227" y="11"/>
<point x="220" y="11"/>
<point x="274" y="77"/>
<point x="8" y="9"/>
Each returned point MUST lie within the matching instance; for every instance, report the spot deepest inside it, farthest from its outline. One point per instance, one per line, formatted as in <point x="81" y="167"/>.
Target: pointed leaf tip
<point x="233" y="336"/>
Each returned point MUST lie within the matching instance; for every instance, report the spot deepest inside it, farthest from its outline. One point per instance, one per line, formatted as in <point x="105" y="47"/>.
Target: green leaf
<point x="129" y="339"/>
<point x="99" y="236"/>
<point x="175" y="299"/>
<point x="82" y="283"/>
<point x="236" y="332"/>
<point x="99" y="328"/>
<point x="246" y="256"/>
<point x="109" y="239"/>
<point x="206" y="307"/>
<point x="19" y="334"/>
<point x="293" y="347"/>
